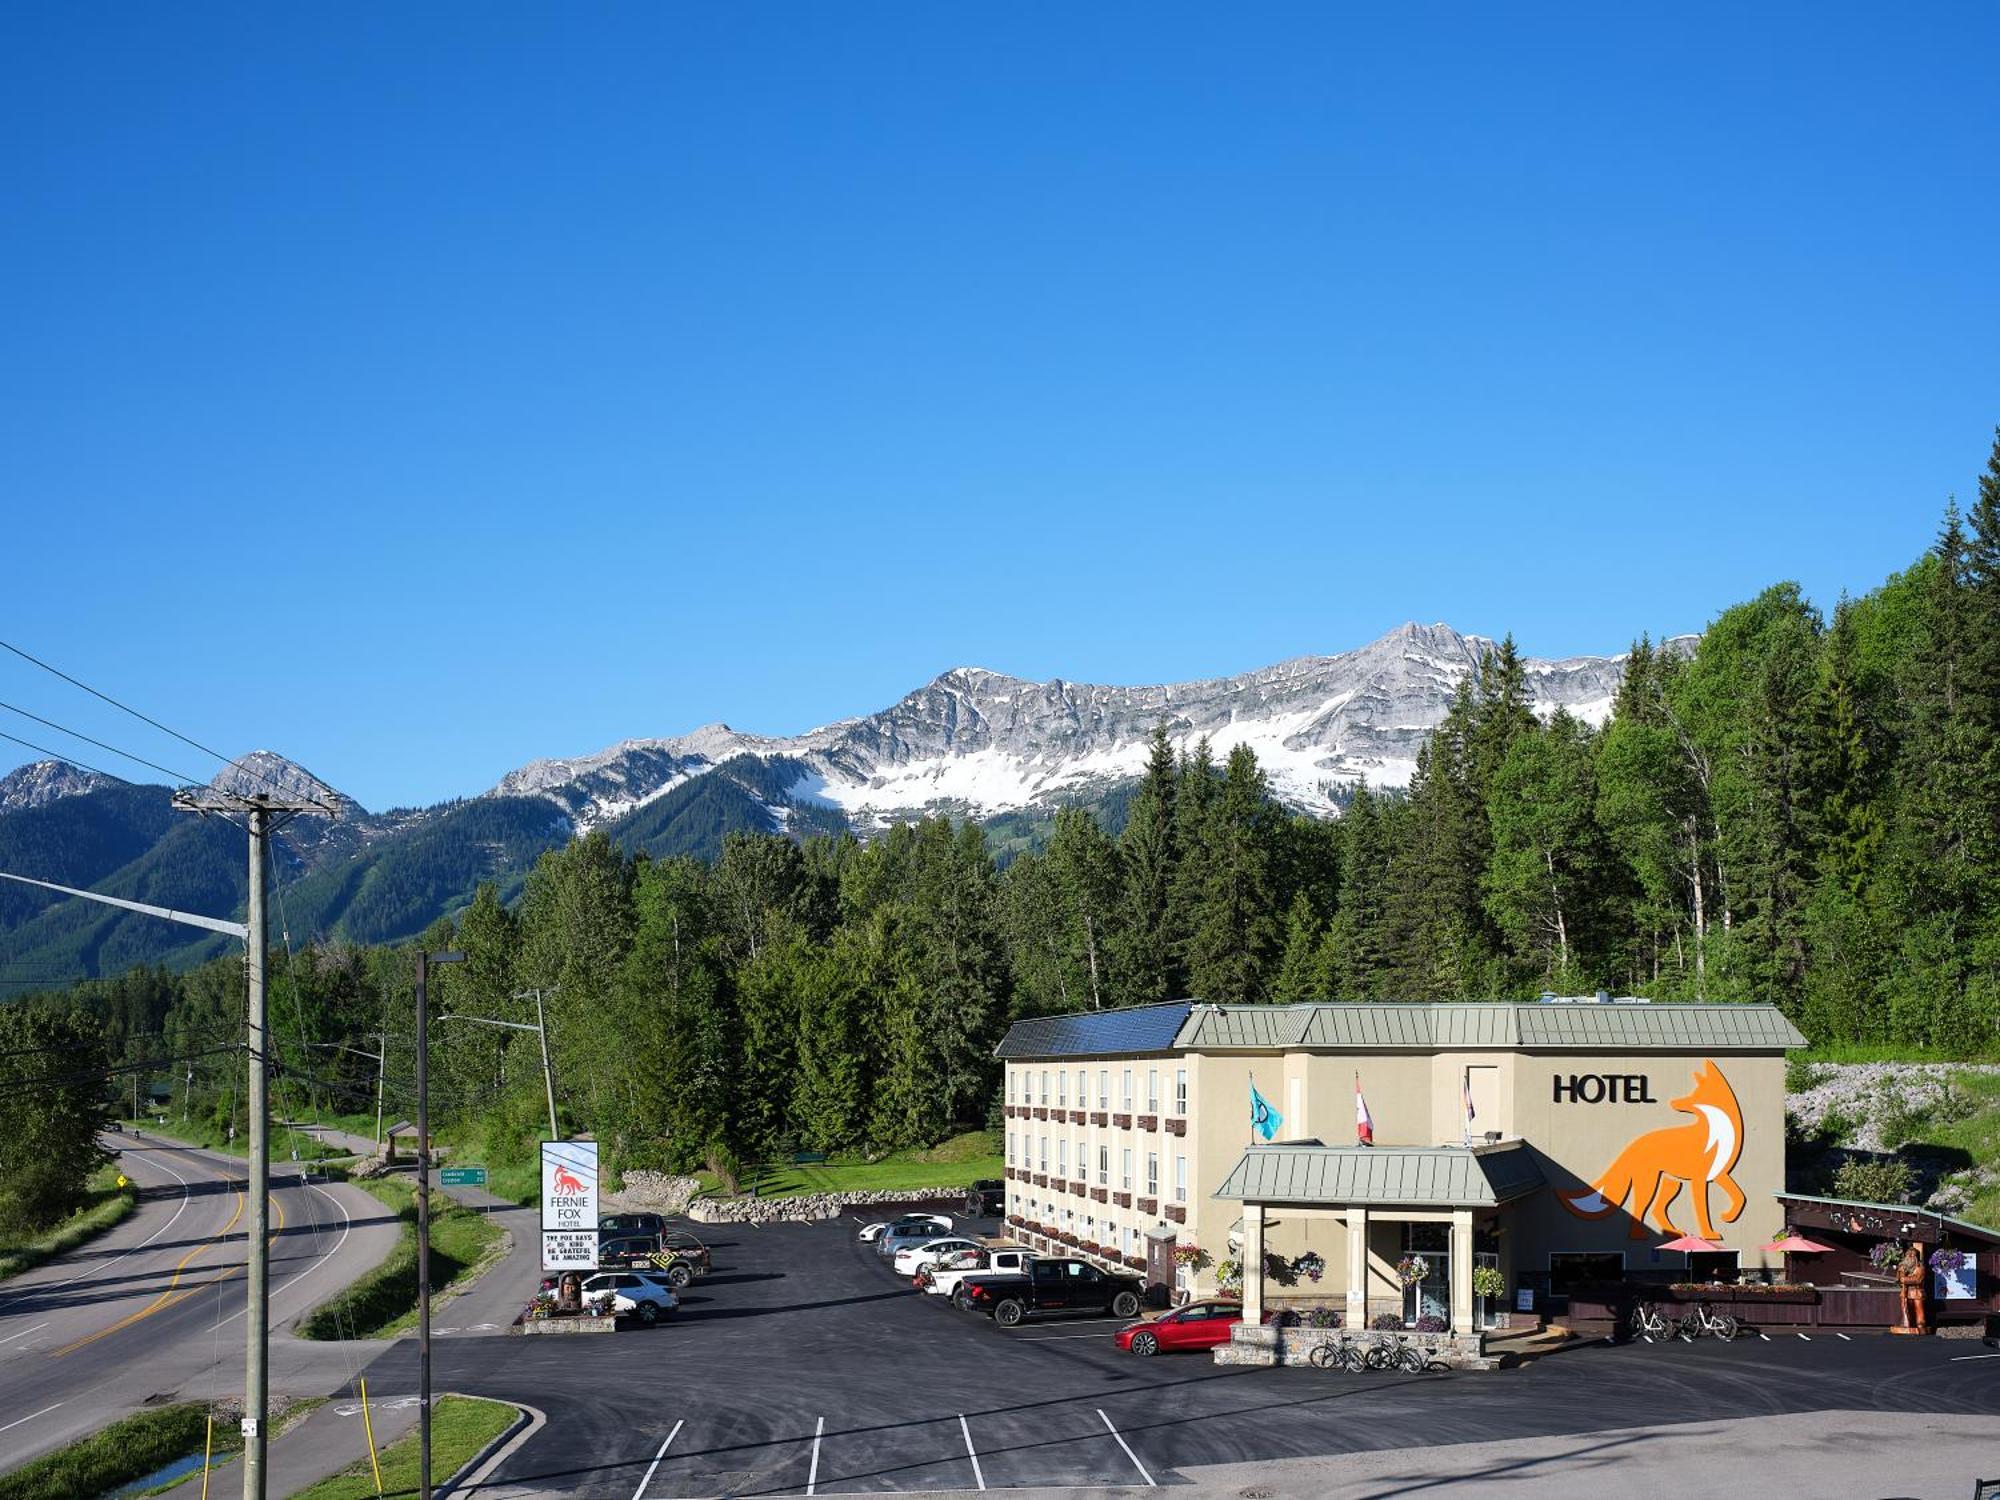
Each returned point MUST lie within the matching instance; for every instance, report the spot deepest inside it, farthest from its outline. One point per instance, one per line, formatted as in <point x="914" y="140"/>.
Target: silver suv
<point x="645" y="1295"/>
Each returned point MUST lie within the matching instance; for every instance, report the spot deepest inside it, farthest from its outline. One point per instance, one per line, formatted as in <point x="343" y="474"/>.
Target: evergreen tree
<point x="1298" y="971"/>
<point x="1547" y="876"/>
<point x="1234" y="936"/>
<point x="1145" y="944"/>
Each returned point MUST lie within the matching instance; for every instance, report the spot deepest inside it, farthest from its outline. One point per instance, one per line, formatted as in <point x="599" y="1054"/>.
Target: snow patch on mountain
<point x="42" y="782"/>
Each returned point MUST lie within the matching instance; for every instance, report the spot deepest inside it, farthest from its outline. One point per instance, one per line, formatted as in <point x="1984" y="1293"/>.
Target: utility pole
<point x="541" y="1031"/>
<point x="424" y="961"/>
<point x="380" y="1059"/>
<point x="264" y="815"/>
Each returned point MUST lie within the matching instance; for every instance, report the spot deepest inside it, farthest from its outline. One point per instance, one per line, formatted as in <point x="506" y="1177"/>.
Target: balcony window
<point x="1180" y="1091"/>
<point x="1062" y="1090"/>
<point x="1152" y="1091"/>
<point x="1104" y="1088"/>
<point x="1125" y="1170"/>
<point x="1062" y="1158"/>
<point x="1044" y="1158"/>
<point x="1104" y="1166"/>
<point x="1125" y="1092"/>
<point x="1180" y="1179"/>
<point x="1152" y="1174"/>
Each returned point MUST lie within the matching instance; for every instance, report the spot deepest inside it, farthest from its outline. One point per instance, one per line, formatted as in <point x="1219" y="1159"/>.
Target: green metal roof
<point x="1412" y="1176"/>
<point x="1334" y="1027"/>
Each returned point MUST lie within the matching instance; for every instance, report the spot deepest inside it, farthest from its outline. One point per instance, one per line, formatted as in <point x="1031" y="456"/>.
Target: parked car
<point x="986" y="1199"/>
<point x="616" y="1226"/>
<point x="1199" y="1325"/>
<point x="676" y="1253"/>
<point x="646" y="1295"/>
<point x="1053" y="1286"/>
<point x="948" y="1277"/>
<point x="940" y="1224"/>
<point x="913" y="1258"/>
<point x="893" y="1239"/>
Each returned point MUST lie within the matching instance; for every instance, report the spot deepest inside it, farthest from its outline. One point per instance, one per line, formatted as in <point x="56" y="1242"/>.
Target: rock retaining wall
<point x="813" y="1206"/>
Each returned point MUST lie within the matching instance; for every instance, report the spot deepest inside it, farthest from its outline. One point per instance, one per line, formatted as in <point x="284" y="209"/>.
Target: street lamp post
<point x="424" y="961"/>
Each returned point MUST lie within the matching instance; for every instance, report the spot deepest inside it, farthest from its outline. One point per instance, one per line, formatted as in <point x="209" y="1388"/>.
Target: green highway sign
<point x="462" y="1176"/>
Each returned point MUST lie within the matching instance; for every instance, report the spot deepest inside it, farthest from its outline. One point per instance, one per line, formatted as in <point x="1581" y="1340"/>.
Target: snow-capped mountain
<point x="41" y="782"/>
<point x="979" y="743"/>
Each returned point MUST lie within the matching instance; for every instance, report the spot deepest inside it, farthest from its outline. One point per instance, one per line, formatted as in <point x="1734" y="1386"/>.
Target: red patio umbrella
<point x="1692" y="1243"/>
<point x="1794" y="1243"/>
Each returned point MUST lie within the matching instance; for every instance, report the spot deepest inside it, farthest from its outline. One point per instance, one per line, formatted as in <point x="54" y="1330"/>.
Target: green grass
<point x="1882" y="1052"/>
<point x="203" y="1133"/>
<point x="108" y="1204"/>
<point x="1976" y="1132"/>
<point x="121" y="1453"/>
<point x="383" y="1303"/>
<point x="952" y="1163"/>
<point x="460" y="1427"/>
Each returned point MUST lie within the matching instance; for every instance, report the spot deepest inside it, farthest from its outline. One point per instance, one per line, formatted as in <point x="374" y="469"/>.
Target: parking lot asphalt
<point x="803" y="1365"/>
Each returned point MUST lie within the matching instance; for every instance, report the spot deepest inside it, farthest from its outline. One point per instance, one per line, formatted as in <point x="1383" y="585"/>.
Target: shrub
<point x="1886" y="1180"/>
<point x="1432" y="1323"/>
<point x="1323" y="1317"/>
<point x="1800" y="1075"/>
<point x="1387" y="1323"/>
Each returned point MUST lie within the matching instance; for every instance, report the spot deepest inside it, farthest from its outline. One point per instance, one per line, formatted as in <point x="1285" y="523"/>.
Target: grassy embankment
<point x="950" y="1164"/>
<point x="1945" y="1124"/>
<point x="108" y="1204"/>
<point x="203" y="1133"/>
<point x="1971" y="1126"/>
<point x="460" y="1427"/>
<point x="383" y="1303"/>
<point x="121" y="1453"/>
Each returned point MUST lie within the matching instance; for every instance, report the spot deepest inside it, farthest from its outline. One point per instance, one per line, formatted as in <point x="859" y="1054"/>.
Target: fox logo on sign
<point x="567" y="1181"/>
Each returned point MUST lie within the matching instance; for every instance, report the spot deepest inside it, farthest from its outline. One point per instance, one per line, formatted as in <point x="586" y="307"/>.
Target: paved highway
<point x="154" y="1308"/>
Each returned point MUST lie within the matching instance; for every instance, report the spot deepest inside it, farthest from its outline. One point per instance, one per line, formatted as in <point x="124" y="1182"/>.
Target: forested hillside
<point x="1806" y="810"/>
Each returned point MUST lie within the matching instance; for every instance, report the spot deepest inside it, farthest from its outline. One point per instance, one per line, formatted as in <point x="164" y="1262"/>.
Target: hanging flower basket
<point x="1488" y="1282"/>
<point x="1192" y="1257"/>
<point x="1311" y="1265"/>
<point x="1229" y="1274"/>
<point x="1885" y="1255"/>
<point x="1947" y="1262"/>
<point x="1412" y="1269"/>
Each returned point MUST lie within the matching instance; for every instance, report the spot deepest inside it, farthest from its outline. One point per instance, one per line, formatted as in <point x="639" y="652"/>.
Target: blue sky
<point x="419" y="390"/>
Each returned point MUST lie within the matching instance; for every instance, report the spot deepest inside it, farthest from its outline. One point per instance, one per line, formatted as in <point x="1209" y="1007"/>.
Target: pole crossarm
<point x="489" y="1021"/>
<point x="185" y="918"/>
<point x="208" y="799"/>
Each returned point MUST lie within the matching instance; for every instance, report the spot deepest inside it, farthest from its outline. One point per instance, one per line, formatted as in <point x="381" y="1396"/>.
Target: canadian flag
<point x="1364" y="1127"/>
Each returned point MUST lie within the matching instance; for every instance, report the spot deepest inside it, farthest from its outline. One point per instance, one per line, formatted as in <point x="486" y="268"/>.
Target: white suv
<point x="643" y="1294"/>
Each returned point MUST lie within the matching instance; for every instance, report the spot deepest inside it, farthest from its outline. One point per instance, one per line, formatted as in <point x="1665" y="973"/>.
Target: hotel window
<point x="1062" y="1089"/>
<point x="1125" y="1170"/>
<point x="1082" y="1089"/>
<point x="1010" y="1085"/>
<point x="1180" y="1091"/>
<point x="1010" y="1148"/>
<point x="1180" y="1179"/>
<point x="1104" y="1088"/>
<point x="1082" y="1160"/>
<point x="1125" y="1091"/>
<point x="1152" y="1091"/>
<point x="1045" y="1085"/>
<point x="1152" y="1174"/>
<point x="1045" y="1156"/>
<point x="1104" y="1166"/>
<point x="1062" y="1158"/>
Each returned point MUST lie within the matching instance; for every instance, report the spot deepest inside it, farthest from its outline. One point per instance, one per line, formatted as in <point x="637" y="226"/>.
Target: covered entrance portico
<point x="1380" y="1210"/>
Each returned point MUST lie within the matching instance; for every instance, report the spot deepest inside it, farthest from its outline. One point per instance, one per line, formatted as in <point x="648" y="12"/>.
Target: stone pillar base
<point x="1249" y="1344"/>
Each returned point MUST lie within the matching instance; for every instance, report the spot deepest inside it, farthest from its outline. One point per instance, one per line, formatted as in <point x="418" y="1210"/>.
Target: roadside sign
<point x="569" y="1250"/>
<point x="462" y="1176"/>
<point x="569" y="1186"/>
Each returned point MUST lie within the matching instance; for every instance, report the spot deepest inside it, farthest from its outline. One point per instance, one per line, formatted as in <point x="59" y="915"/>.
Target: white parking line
<point x="1128" y="1450"/>
<point x="812" y="1474"/>
<point x="970" y="1453"/>
<point x="656" y="1461"/>
<point x="1647" y="1337"/>
<point x="23" y="1333"/>
<point x="29" y="1417"/>
<point x="1961" y="1358"/>
<point x="1807" y="1337"/>
<point x="1843" y="1338"/>
<point x="1765" y="1337"/>
<point x="1053" y="1338"/>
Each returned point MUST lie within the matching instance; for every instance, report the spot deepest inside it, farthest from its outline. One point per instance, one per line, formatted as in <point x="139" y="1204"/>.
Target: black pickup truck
<point x="1053" y="1286"/>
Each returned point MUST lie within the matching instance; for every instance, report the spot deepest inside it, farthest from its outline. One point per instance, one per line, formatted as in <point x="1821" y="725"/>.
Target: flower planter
<point x="1076" y="1117"/>
<point x="1121" y="1122"/>
<point x="1099" y="1119"/>
<point x="1177" y="1127"/>
<point x="1149" y="1122"/>
<point x="1149" y="1206"/>
<point x="1100" y="1195"/>
<point x="1176" y="1214"/>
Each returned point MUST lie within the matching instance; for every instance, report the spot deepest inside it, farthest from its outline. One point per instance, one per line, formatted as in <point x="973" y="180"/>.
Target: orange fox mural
<point x="1649" y="1172"/>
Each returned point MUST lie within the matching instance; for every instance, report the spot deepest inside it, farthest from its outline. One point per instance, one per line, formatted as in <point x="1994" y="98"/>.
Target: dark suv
<point x="986" y="1200"/>
<point x="615" y="1226"/>
<point x="680" y="1255"/>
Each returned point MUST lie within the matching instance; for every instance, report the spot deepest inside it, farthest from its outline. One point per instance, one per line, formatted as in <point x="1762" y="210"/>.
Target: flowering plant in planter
<point x="1885" y="1255"/>
<point x="1192" y="1256"/>
<point x="1229" y="1274"/>
<point x="1947" y="1262"/>
<point x="1413" y="1269"/>
<point x="543" y="1305"/>
<point x="1387" y="1323"/>
<point x="1311" y="1265"/>
<point x="1432" y="1323"/>
<point x="1488" y="1282"/>
<point x="1323" y="1317"/>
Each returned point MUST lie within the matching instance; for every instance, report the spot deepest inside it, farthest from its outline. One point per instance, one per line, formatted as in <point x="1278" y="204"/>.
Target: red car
<point x="1199" y="1325"/>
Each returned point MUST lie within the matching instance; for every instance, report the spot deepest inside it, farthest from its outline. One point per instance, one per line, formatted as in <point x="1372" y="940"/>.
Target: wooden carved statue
<point x="1910" y="1278"/>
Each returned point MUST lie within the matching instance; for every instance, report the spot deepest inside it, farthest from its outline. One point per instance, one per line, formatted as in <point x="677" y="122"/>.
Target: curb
<point x="475" y="1470"/>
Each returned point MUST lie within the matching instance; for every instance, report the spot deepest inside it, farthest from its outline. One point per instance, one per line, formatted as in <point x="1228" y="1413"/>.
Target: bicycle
<point x="1413" y="1359"/>
<point x="1704" y="1319"/>
<point x="1649" y="1322"/>
<point x="1342" y="1353"/>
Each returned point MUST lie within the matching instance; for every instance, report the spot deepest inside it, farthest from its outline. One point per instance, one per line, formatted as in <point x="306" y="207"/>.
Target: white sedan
<point x="914" y="1258"/>
<point x="872" y="1232"/>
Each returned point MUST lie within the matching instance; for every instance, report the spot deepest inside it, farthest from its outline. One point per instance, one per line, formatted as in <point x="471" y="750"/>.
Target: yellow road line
<point x="169" y="1296"/>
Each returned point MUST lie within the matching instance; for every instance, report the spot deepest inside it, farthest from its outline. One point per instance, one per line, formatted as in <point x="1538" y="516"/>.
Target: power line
<point x="77" y="734"/>
<point x="227" y="760"/>
<point x="66" y="759"/>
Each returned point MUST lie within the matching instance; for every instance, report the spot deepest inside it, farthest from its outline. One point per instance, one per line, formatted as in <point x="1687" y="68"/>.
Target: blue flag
<point x="1263" y="1119"/>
